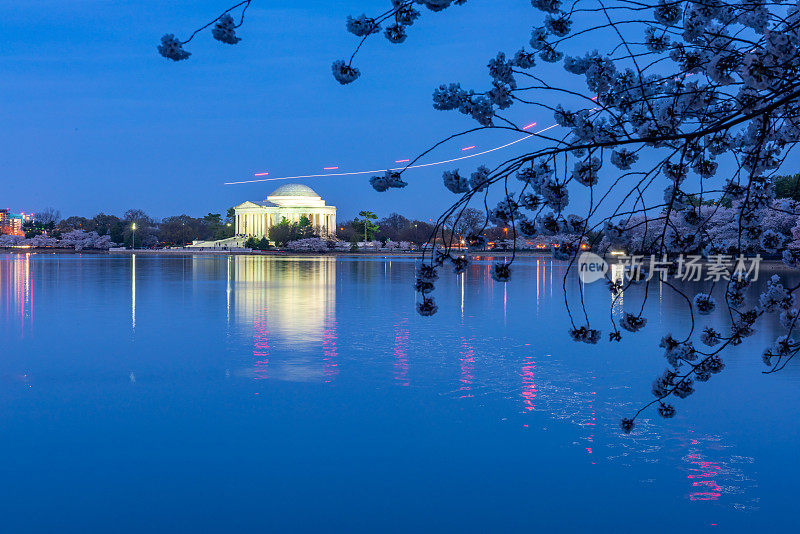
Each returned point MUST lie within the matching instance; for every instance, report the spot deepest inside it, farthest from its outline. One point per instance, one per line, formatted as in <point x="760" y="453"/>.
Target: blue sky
<point x="95" y="120"/>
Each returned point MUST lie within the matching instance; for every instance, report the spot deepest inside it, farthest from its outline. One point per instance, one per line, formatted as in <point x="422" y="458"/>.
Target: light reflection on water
<point x="497" y="353"/>
<point x="16" y="286"/>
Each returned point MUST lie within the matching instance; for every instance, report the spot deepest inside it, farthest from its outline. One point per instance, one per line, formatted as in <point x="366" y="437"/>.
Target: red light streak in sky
<point x="329" y="168"/>
<point x="261" y="174"/>
<point x="467" y="148"/>
<point x="531" y="125"/>
<point x="402" y="161"/>
<point x="417" y="166"/>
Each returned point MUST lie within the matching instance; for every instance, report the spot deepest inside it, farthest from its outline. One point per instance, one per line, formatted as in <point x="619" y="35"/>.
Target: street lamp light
<point x="133" y="243"/>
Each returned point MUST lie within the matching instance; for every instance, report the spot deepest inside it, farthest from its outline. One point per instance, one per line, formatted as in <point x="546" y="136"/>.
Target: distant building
<point x="11" y="223"/>
<point x="290" y="201"/>
<point x="15" y="222"/>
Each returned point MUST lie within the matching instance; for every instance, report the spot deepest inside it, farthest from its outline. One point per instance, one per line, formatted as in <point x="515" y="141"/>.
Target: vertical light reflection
<point x="4" y="286"/>
<point x="462" y="275"/>
<point x="27" y="305"/>
<point x="538" y="269"/>
<point x="505" y="303"/>
<point x="467" y="361"/>
<point x="401" y="337"/>
<point x="330" y="367"/>
<point x="617" y="275"/>
<point x="22" y="288"/>
<point x="261" y="347"/>
<point x="28" y="283"/>
<point x="528" y="384"/>
<point x="228" y="290"/>
<point x="592" y="422"/>
<point x="133" y="293"/>
<point x="488" y="281"/>
<point x="17" y="287"/>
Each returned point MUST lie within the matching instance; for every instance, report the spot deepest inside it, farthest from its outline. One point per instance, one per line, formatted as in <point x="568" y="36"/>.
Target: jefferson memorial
<point x="292" y="201"/>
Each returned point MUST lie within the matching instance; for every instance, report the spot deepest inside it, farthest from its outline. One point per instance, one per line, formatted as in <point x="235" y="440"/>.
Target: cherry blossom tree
<point x="11" y="240"/>
<point x="709" y="230"/>
<point x="688" y="100"/>
<point x="311" y="244"/>
<point x="75" y="239"/>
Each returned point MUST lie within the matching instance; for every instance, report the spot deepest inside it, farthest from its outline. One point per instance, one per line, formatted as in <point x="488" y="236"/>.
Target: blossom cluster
<point x="223" y="30"/>
<point x="695" y="105"/>
<point x="76" y="240"/>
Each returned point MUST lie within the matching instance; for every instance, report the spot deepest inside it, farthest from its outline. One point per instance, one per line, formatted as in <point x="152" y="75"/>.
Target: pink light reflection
<point x="329" y="353"/>
<point x="401" y="337"/>
<point x="528" y="384"/>
<point x="467" y="148"/>
<point x="702" y="474"/>
<point x="261" y="174"/>
<point x="261" y="350"/>
<point x="592" y="422"/>
<point x="18" y="289"/>
<point x="531" y="125"/>
<point x="329" y="168"/>
<point x="467" y="359"/>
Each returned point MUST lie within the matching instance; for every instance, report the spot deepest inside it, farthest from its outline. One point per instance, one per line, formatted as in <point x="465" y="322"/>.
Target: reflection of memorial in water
<point x="290" y="306"/>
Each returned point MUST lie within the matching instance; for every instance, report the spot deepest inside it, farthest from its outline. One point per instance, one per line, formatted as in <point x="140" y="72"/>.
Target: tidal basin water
<point x="264" y="394"/>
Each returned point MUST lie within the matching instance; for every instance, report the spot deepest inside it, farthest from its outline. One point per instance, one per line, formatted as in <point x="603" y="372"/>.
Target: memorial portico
<point x="290" y="201"/>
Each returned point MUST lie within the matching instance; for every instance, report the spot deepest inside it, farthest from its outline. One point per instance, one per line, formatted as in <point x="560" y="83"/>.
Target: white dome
<point x="294" y="190"/>
<point x="295" y="195"/>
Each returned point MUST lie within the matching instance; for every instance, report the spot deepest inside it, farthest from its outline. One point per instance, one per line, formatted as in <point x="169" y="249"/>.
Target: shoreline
<point x="277" y="253"/>
<point x="770" y="263"/>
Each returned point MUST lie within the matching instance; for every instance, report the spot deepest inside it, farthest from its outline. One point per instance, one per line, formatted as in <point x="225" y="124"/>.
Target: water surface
<point x="230" y="394"/>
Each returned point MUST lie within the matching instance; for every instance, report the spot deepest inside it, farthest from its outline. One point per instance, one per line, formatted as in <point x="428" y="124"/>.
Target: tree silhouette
<point x="687" y="101"/>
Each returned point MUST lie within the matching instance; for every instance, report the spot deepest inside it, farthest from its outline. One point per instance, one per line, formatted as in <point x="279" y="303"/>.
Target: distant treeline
<point x="180" y="230"/>
<point x="148" y="233"/>
<point x="395" y="227"/>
